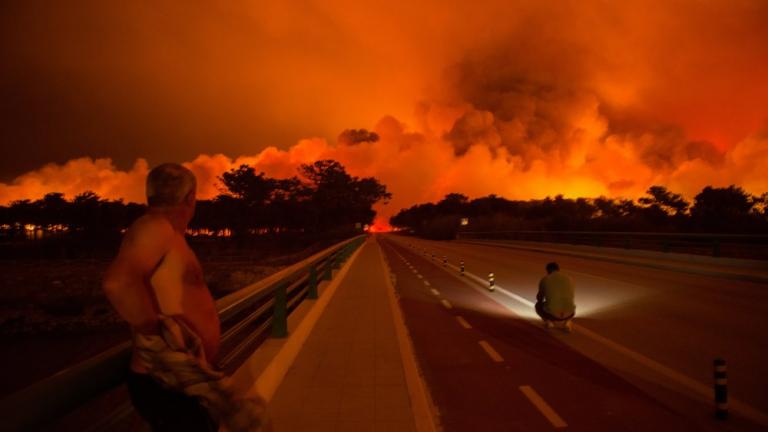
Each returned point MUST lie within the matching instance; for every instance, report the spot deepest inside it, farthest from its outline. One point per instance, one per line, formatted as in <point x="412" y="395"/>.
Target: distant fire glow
<point x="204" y="232"/>
<point x="379" y="226"/>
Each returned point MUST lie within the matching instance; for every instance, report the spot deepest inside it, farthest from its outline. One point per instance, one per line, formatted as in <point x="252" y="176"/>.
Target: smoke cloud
<point x="522" y="100"/>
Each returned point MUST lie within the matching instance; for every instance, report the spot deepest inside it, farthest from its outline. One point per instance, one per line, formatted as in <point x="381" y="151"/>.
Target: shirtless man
<point x="156" y="272"/>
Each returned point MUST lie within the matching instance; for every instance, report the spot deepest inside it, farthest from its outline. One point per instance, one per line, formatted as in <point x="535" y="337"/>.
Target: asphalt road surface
<point x="639" y="359"/>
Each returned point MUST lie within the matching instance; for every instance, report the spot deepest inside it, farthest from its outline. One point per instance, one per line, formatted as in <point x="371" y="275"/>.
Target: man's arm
<point x="125" y="282"/>
<point x="540" y="294"/>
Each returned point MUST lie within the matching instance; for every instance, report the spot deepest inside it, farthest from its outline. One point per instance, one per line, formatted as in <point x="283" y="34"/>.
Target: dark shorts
<point x="167" y="410"/>
<point x="547" y="316"/>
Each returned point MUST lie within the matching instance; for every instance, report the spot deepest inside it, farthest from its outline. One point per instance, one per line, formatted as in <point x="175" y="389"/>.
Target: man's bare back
<point x="155" y="260"/>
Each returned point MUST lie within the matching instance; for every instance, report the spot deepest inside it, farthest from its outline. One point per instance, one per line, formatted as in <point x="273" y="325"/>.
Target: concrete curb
<point x="265" y="369"/>
<point x="424" y="410"/>
<point x="659" y="266"/>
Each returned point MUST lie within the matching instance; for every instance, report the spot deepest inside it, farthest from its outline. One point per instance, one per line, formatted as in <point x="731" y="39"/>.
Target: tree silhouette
<point x="86" y="211"/>
<point x="340" y="199"/>
<point x="243" y="182"/>
<point x="659" y="197"/>
<point x="723" y="209"/>
<point x="715" y="210"/>
<point x="324" y="204"/>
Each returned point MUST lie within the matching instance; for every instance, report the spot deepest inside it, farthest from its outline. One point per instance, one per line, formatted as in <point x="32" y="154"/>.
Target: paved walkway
<point x="349" y="374"/>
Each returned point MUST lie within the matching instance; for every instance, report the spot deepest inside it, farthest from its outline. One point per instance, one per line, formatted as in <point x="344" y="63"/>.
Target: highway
<point x="640" y="357"/>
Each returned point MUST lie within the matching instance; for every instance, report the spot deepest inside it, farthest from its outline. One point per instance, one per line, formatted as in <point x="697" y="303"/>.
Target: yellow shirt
<point x="557" y="292"/>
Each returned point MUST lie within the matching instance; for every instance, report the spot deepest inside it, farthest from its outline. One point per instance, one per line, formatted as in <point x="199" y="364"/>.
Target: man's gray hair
<point x="168" y="184"/>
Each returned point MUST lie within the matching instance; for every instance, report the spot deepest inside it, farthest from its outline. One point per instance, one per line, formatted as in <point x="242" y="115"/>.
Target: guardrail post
<point x="312" y="284"/>
<point x="721" y="390"/>
<point x="337" y="261"/>
<point x="280" y="312"/>
<point x="328" y="270"/>
<point x="716" y="249"/>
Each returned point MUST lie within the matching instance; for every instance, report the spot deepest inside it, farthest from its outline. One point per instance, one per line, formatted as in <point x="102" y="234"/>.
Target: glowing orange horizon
<point x="535" y="99"/>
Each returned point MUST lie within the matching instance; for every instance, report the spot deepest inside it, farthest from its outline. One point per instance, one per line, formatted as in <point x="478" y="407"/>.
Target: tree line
<point x="714" y="210"/>
<point x="322" y="197"/>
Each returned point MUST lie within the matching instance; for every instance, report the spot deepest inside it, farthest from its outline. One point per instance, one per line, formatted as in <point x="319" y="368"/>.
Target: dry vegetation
<point x="53" y="312"/>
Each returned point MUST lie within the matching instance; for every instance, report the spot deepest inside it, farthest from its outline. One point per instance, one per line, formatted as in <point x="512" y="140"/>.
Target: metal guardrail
<point x="716" y="245"/>
<point x="246" y="322"/>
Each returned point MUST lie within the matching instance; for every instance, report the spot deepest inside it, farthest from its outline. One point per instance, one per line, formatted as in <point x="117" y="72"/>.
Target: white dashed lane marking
<point x="543" y="406"/>
<point x="492" y="353"/>
<point x="446" y="303"/>
<point x="463" y="322"/>
<point x="435" y="292"/>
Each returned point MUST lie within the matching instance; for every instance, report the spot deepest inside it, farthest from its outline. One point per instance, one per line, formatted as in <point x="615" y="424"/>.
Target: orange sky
<point x="522" y="99"/>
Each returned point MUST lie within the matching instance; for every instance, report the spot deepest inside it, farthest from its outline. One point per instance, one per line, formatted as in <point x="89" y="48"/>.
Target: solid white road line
<point x="492" y="353"/>
<point x="424" y="410"/>
<point x="446" y="303"/>
<point x="543" y="406"/>
<point x="435" y="292"/>
<point x="463" y="322"/>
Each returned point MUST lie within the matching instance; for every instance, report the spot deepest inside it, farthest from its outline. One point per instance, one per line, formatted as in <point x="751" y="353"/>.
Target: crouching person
<point x="554" y="301"/>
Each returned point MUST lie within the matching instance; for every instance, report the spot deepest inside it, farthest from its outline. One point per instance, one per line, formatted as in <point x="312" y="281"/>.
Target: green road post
<point x="312" y="288"/>
<point x="328" y="270"/>
<point x="280" y="313"/>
